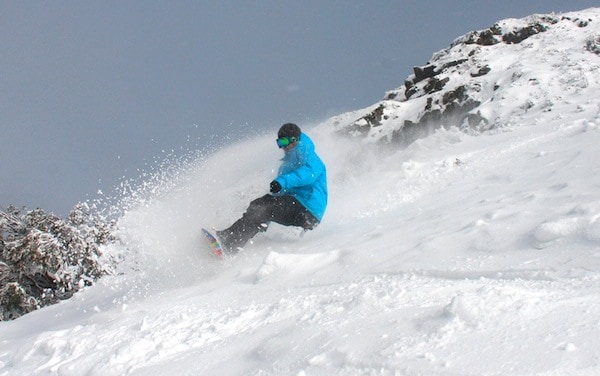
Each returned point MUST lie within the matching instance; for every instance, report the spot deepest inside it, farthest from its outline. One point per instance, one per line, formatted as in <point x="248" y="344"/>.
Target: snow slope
<point x="463" y="254"/>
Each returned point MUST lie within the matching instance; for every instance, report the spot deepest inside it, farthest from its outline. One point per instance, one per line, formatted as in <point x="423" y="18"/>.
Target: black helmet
<point x="289" y="130"/>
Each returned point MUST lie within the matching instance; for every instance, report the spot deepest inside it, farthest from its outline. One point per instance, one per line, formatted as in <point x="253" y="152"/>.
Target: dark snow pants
<point x="285" y="210"/>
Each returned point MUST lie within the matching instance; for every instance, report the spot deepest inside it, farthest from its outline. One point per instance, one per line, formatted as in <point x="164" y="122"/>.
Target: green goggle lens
<point x="285" y="141"/>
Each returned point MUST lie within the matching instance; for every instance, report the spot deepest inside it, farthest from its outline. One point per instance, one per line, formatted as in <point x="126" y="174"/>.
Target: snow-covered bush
<point x="593" y="44"/>
<point x="44" y="259"/>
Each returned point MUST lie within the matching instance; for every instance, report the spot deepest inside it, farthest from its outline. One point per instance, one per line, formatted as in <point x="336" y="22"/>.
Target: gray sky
<point x="95" y="91"/>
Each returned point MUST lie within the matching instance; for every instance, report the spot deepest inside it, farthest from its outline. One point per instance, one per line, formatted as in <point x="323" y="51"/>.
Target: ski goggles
<point x="283" y="142"/>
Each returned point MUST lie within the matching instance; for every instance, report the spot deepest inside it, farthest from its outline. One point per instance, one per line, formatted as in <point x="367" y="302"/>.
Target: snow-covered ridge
<point x="516" y="63"/>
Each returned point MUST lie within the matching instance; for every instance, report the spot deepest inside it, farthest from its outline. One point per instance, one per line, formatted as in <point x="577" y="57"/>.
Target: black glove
<point x="275" y="186"/>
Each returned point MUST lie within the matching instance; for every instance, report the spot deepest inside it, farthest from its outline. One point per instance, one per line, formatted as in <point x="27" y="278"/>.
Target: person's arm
<point x="306" y="174"/>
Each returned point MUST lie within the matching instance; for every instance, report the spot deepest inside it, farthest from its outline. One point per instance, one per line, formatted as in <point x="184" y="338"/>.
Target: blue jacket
<point x="303" y="175"/>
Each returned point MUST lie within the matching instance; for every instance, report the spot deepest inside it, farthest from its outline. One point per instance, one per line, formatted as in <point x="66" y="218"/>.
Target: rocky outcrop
<point x="450" y="89"/>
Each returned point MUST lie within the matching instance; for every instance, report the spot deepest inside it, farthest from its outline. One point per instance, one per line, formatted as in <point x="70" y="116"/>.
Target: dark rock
<point x="409" y="92"/>
<point x="482" y="71"/>
<point x="577" y="21"/>
<point x="457" y="112"/>
<point x="429" y="104"/>
<point x="456" y="95"/>
<point x="374" y="118"/>
<point x="409" y="133"/>
<point x="391" y="95"/>
<point x="422" y="73"/>
<point x="409" y="89"/>
<point x="520" y="35"/>
<point x="476" y="120"/>
<point x="486" y="37"/>
<point x="435" y="85"/>
<point x="453" y="64"/>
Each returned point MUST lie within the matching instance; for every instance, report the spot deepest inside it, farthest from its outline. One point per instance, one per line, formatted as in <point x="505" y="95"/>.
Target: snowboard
<point x="213" y="243"/>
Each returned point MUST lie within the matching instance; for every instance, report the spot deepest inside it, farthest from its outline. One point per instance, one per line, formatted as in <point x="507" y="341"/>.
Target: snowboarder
<point x="298" y="196"/>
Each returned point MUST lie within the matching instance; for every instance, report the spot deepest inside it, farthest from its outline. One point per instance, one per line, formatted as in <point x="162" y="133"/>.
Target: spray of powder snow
<point x="159" y="222"/>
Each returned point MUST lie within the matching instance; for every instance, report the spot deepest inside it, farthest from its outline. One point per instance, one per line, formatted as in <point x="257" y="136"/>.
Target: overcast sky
<point x="91" y="92"/>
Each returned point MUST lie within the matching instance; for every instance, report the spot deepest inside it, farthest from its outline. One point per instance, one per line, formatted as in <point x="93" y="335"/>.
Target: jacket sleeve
<point x="309" y="170"/>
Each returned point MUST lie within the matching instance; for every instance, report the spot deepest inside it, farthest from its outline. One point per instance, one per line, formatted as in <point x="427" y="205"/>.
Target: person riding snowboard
<point x="298" y="195"/>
